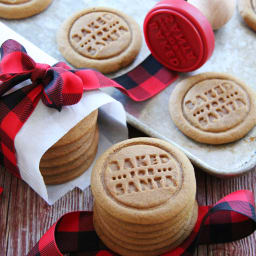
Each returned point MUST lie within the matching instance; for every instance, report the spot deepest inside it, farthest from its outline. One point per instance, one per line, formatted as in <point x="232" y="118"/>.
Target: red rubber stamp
<point x="178" y="35"/>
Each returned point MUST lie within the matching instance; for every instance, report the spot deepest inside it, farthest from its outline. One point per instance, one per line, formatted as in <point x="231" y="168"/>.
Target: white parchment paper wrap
<point x="46" y="126"/>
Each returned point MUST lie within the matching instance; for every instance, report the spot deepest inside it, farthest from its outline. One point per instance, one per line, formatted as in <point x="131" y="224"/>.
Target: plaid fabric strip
<point x="142" y="83"/>
<point x="59" y="86"/>
<point x="230" y="219"/>
<point x="55" y="85"/>
<point x="147" y="79"/>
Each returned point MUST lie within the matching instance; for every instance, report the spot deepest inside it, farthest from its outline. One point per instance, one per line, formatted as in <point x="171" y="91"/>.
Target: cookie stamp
<point x="213" y="108"/>
<point x="247" y="9"/>
<point x="178" y="35"/>
<point x="19" y="9"/>
<point x="100" y="38"/>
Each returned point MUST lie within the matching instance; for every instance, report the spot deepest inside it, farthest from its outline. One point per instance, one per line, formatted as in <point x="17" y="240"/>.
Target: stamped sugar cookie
<point x="73" y="173"/>
<point x="101" y="38"/>
<point x="77" y="132"/>
<point x="55" y="152"/>
<point x="124" y="248"/>
<point x="247" y="9"/>
<point x="213" y="108"/>
<point x="146" y="230"/>
<point x="18" y="9"/>
<point x="143" y="181"/>
<point x="144" y="191"/>
<point x="150" y="245"/>
<point x="55" y="167"/>
<point x="146" y="238"/>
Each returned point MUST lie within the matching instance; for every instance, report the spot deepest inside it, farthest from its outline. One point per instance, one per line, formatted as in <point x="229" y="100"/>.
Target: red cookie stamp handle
<point x="178" y="35"/>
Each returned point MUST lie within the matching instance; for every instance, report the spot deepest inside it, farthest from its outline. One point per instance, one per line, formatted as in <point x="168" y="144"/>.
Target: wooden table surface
<point x="24" y="216"/>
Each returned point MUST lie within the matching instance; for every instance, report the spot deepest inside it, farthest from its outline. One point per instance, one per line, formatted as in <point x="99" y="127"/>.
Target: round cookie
<point x="143" y="181"/>
<point x="101" y="38"/>
<point x="90" y="146"/>
<point x="52" y="153"/>
<point x="213" y="108"/>
<point x="19" y="9"/>
<point x="74" y="173"/>
<point x="247" y="9"/>
<point x="141" y="230"/>
<point x="114" y="244"/>
<point x="148" y="244"/>
<point x="79" y="130"/>
<point x="150" y="238"/>
<point x="66" y="159"/>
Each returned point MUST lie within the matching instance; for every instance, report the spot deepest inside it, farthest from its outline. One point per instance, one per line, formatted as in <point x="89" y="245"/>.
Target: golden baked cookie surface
<point x="101" y="38"/>
<point x="216" y="105"/>
<point x="19" y="9"/>
<point x="213" y="108"/>
<point x="138" y="180"/>
<point x="247" y="9"/>
<point x="100" y="35"/>
<point x="142" y="176"/>
<point x="14" y="1"/>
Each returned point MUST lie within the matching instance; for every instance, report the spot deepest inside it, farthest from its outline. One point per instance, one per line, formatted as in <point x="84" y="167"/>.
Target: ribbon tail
<point x="230" y="219"/>
<point x="146" y="80"/>
<point x="142" y="83"/>
<point x="18" y="106"/>
<point x="46" y="245"/>
<point x="74" y="232"/>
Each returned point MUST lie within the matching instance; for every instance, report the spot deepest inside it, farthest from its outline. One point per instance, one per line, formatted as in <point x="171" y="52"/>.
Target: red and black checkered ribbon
<point x="230" y="219"/>
<point x="59" y="86"/>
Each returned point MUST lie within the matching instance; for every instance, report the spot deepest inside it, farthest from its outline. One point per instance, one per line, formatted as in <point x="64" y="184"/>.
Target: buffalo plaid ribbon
<point x="59" y="86"/>
<point x="231" y="218"/>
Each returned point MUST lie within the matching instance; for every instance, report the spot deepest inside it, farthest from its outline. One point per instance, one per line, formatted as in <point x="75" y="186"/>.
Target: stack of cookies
<point x="144" y="191"/>
<point x="72" y="155"/>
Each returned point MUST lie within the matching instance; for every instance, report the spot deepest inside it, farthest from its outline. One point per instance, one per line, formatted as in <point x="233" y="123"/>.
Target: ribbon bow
<point x="59" y="86"/>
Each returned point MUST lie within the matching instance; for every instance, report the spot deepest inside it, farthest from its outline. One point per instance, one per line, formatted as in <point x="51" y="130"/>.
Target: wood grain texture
<point x="24" y="216"/>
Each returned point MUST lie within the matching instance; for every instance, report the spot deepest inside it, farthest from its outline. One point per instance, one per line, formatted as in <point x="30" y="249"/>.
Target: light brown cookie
<point x="79" y="130"/>
<point x="101" y="38"/>
<point x="117" y="246"/>
<point x="65" y="149"/>
<point x="146" y="231"/>
<point x="213" y="108"/>
<point x="247" y="9"/>
<point x="66" y="159"/>
<point x="143" y="181"/>
<point x="18" y="9"/>
<point x="90" y="146"/>
<point x="149" y="238"/>
<point x="74" y="173"/>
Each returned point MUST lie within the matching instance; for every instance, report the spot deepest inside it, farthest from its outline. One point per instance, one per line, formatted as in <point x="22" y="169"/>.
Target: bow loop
<point x="10" y="46"/>
<point x="60" y="86"/>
